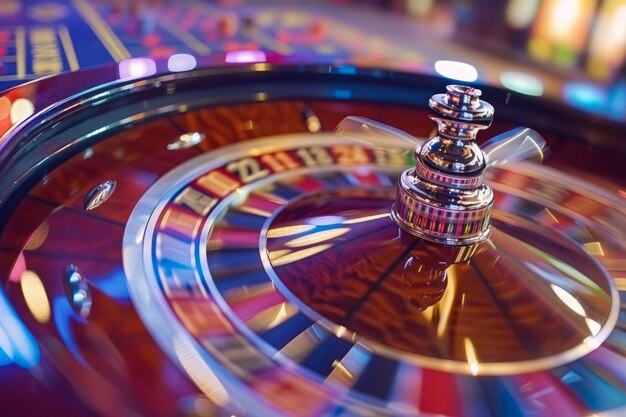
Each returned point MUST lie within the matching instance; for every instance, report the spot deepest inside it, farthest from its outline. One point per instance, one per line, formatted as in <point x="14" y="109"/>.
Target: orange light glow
<point x="560" y="30"/>
<point x="607" y="50"/>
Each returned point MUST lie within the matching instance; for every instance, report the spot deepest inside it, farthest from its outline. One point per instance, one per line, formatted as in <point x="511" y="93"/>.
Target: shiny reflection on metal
<point x="77" y="291"/>
<point x="515" y="145"/>
<point x="304" y="343"/>
<point x="444" y="198"/>
<point x="453" y="152"/>
<point x="271" y="317"/>
<point x="99" y="195"/>
<point x="201" y="374"/>
<point x="425" y="281"/>
<point x="369" y="133"/>
<point x="441" y="214"/>
<point x="462" y="103"/>
<point x="347" y="370"/>
<point x="186" y="140"/>
<point x="569" y="300"/>
<point x="313" y="123"/>
<point x="594" y="248"/>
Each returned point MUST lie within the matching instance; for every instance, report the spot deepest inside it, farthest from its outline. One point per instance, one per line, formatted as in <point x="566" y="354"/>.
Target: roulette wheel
<point x="222" y="241"/>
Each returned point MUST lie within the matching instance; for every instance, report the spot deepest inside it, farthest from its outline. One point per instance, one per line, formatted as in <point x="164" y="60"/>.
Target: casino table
<point x="295" y="209"/>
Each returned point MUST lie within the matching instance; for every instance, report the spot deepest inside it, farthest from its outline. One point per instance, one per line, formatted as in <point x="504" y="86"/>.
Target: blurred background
<point x="571" y="51"/>
<point x="572" y="35"/>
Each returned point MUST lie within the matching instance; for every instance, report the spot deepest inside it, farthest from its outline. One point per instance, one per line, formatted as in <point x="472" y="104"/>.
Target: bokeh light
<point x="456" y="70"/>
<point x="522" y="82"/>
<point x="181" y="62"/>
<point x="136" y="68"/>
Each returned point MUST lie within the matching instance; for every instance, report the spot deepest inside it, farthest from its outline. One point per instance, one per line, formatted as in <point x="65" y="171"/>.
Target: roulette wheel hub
<point x="437" y="199"/>
<point x="444" y="198"/>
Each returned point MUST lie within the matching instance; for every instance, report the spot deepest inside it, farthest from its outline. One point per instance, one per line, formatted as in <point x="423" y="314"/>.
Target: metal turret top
<point x="443" y="198"/>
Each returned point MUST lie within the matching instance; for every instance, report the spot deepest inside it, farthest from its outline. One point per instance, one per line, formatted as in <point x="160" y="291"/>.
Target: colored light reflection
<point x="366" y="218"/>
<point x="472" y="359"/>
<point x="522" y="83"/>
<point x="6" y="348"/>
<point x="136" y="68"/>
<point x="21" y="109"/>
<point x="245" y="56"/>
<point x="38" y="237"/>
<point x="349" y="70"/>
<point x="63" y="318"/>
<point x="617" y="101"/>
<point x="593" y="98"/>
<point x="317" y="237"/>
<point x="5" y="112"/>
<point x="17" y="345"/>
<point x="456" y="70"/>
<point x="181" y="62"/>
<point x="18" y="268"/>
<point x="325" y="220"/>
<point x="288" y="231"/>
<point x="114" y="285"/>
<point x="285" y="257"/>
<point x="585" y="96"/>
<point x="35" y="296"/>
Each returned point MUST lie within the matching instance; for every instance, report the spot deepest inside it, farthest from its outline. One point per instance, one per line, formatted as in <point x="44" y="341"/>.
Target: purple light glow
<point x="242" y="57"/>
<point x="136" y="68"/>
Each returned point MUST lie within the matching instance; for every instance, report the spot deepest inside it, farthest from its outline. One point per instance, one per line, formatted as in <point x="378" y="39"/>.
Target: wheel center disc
<point x="523" y="300"/>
